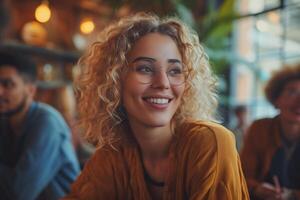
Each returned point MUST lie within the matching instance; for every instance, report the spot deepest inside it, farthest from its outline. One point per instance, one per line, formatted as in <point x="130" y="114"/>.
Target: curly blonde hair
<point x="99" y="85"/>
<point x="279" y="80"/>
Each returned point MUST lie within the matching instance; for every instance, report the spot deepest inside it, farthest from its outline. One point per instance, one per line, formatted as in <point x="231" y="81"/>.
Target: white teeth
<point x="158" y="100"/>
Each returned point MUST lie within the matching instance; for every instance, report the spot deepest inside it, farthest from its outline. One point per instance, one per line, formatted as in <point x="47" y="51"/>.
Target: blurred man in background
<point x="240" y="125"/>
<point x="37" y="159"/>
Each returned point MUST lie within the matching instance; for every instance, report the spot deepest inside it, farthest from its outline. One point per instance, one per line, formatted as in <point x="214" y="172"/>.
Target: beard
<point x="14" y="111"/>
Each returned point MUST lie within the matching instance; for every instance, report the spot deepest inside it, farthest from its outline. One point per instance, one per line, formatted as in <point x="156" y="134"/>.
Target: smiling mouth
<point x="159" y="101"/>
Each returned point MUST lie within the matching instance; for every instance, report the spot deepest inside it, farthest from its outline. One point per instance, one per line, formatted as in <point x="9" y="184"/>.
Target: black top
<point x="286" y="165"/>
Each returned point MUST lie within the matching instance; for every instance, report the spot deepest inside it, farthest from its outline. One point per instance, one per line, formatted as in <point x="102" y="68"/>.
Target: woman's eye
<point x="175" y="71"/>
<point x="144" y="69"/>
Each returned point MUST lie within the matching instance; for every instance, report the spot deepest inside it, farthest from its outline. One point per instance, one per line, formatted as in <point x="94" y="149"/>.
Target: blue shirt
<point x="44" y="163"/>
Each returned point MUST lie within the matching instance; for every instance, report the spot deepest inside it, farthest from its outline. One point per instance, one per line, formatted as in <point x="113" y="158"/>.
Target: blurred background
<point x="245" y="39"/>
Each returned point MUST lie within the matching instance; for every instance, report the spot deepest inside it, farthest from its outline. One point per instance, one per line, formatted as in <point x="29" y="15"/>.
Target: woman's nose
<point x="161" y="80"/>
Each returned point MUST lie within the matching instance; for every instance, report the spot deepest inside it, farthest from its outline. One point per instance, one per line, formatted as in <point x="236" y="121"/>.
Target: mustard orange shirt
<point x="205" y="165"/>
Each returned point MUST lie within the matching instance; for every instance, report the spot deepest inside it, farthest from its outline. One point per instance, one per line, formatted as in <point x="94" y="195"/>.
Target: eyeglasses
<point x="145" y="73"/>
<point x="291" y="92"/>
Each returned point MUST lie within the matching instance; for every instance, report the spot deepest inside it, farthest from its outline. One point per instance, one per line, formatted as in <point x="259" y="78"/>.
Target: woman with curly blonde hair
<point x="270" y="156"/>
<point x="147" y="99"/>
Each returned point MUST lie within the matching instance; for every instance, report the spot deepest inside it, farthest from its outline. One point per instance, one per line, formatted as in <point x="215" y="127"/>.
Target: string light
<point x="43" y="12"/>
<point x="87" y="26"/>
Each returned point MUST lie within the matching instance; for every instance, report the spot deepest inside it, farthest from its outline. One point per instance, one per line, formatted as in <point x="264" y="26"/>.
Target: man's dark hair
<point x="279" y="80"/>
<point x="24" y="65"/>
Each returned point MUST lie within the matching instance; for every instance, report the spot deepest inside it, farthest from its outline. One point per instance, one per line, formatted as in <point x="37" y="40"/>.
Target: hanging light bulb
<point x="87" y="26"/>
<point x="43" y="12"/>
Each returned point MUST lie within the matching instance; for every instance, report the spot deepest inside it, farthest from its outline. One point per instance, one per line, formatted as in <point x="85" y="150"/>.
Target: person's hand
<point x="288" y="194"/>
<point x="267" y="191"/>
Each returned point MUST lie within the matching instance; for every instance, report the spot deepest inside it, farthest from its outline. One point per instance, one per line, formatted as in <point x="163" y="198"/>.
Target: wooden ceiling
<point x="67" y="14"/>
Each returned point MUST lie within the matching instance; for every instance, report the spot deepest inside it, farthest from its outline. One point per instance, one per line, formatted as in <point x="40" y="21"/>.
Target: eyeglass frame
<point x="133" y="69"/>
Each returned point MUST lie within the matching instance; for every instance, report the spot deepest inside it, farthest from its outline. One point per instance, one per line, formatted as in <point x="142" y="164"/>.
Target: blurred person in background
<point x="271" y="153"/>
<point x="147" y="99"/>
<point x="37" y="159"/>
<point x="240" y="125"/>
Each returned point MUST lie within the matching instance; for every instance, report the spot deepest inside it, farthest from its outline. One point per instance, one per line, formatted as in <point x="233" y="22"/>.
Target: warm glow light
<point x="87" y="26"/>
<point x="34" y="33"/>
<point x="43" y="12"/>
<point x="274" y="17"/>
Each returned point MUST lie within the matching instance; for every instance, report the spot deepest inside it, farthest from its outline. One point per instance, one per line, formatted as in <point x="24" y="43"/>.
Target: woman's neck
<point x="155" y="145"/>
<point x="154" y="142"/>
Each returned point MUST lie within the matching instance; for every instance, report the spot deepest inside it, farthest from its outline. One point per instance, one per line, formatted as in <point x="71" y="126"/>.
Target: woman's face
<point x="289" y="102"/>
<point x="153" y="88"/>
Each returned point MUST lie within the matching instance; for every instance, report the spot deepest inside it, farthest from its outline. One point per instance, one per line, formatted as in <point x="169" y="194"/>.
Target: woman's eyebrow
<point x="174" y="61"/>
<point x="152" y="60"/>
<point x="143" y="58"/>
